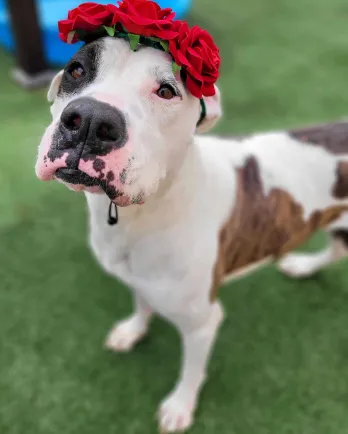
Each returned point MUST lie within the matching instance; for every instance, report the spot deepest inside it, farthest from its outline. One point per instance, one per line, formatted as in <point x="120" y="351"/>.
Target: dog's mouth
<point x="75" y="176"/>
<point x="78" y="181"/>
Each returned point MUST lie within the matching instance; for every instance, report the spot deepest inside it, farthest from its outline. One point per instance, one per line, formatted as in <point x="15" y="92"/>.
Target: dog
<point x="194" y="210"/>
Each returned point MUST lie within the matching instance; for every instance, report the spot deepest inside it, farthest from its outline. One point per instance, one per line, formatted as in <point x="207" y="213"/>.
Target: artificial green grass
<point x="280" y="362"/>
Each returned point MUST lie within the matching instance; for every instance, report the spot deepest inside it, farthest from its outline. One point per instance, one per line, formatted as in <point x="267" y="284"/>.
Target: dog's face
<point x="122" y="121"/>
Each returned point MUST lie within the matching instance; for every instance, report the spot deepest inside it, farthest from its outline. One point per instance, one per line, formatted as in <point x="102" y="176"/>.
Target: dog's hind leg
<point x="301" y="265"/>
<point x="125" y="334"/>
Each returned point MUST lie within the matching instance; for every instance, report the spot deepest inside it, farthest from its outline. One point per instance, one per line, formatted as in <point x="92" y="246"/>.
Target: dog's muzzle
<point x="90" y="128"/>
<point x="88" y="148"/>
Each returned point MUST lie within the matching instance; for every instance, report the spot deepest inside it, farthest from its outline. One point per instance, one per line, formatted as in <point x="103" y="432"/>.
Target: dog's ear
<point x="213" y="112"/>
<point x="53" y="90"/>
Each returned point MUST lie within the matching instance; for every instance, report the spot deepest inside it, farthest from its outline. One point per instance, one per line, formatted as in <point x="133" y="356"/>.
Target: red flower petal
<point x="193" y="87"/>
<point x="65" y="26"/>
<point x="63" y="37"/>
<point x="148" y="10"/>
<point x="209" y="90"/>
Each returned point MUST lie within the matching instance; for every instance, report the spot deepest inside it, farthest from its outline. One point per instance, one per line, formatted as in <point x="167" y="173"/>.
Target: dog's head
<point x="122" y="121"/>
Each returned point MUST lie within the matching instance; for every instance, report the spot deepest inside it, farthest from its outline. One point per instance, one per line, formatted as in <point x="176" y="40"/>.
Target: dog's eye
<point x="166" y="91"/>
<point x="76" y="71"/>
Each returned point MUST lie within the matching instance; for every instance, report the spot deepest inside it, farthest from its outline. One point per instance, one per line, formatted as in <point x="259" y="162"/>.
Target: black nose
<point x="93" y="125"/>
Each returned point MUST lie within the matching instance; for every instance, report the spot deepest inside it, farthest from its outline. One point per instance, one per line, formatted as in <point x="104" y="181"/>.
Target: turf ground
<point x="280" y="363"/>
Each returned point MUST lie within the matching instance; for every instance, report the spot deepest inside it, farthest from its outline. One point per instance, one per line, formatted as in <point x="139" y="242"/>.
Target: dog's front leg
<point x="177" y="410"/>
<point x="125" y="334"/>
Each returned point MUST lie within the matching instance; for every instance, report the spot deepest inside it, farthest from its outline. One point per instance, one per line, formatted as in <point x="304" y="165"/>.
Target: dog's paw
<point x="175" y="415"/>
<point x="125" y="335"/>
<point x="298" y="265"/>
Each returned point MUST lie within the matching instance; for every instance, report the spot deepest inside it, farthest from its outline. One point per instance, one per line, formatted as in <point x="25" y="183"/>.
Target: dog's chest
<point x="142" y="254"/>
<point x="153" y="268"/>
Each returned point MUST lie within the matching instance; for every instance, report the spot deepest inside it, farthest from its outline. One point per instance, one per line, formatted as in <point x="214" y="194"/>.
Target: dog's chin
<point x="78" y="181"/>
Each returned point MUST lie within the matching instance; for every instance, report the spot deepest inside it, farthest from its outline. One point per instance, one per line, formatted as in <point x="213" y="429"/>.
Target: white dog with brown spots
<point x="193" y="210"/>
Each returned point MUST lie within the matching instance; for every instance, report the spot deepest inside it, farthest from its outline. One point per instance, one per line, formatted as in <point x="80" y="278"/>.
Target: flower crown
<point x="143" y="22"/>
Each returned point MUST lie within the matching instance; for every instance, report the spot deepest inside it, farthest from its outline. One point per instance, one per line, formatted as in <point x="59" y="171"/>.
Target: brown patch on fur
<point x="333" y="137"/>
<point x="263" y="226"/>
<point x="340" y="189"/>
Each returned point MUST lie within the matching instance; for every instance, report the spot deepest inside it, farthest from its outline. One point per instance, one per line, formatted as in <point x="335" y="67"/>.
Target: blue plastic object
<point x="51" y="11"/>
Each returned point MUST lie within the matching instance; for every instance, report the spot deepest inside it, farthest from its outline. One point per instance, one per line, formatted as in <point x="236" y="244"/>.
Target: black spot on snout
<point x="98" y="165"/>
<point x="110" y="176"/>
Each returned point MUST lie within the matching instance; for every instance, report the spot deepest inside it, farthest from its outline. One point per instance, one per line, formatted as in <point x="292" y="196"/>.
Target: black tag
<point x="112" y="220"/>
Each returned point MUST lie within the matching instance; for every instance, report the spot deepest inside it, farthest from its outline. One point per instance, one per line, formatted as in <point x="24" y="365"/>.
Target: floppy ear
<point x="213" y="112"/>
<point x="53" y="90"/>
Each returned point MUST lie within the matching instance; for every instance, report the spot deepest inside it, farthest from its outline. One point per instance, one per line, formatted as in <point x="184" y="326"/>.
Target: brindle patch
<point x="333" y="137"/>
<point x="262" y="225"/>
<point x="340" y="189"/>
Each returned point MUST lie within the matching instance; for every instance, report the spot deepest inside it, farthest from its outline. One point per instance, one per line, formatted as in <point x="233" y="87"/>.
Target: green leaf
<point x="110" y="30"/>
<point x="176" y="67"/>
<point x="153" y="38"/>
<point x="133" y="40"/>
<point x="165" y="46"/>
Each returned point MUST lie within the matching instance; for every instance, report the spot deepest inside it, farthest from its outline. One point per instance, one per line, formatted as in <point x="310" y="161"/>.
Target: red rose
<point x="196" y="52"/>
<point x="146" y="18"/>
<point x="88" y="16"/>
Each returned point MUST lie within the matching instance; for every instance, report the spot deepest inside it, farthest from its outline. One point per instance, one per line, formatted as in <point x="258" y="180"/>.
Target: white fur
<point x="165" y="250"/>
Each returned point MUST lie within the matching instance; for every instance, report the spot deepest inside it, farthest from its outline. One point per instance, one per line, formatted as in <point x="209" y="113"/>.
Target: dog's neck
<point x="169" y="204"/>
<point x="175" y="191"/>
